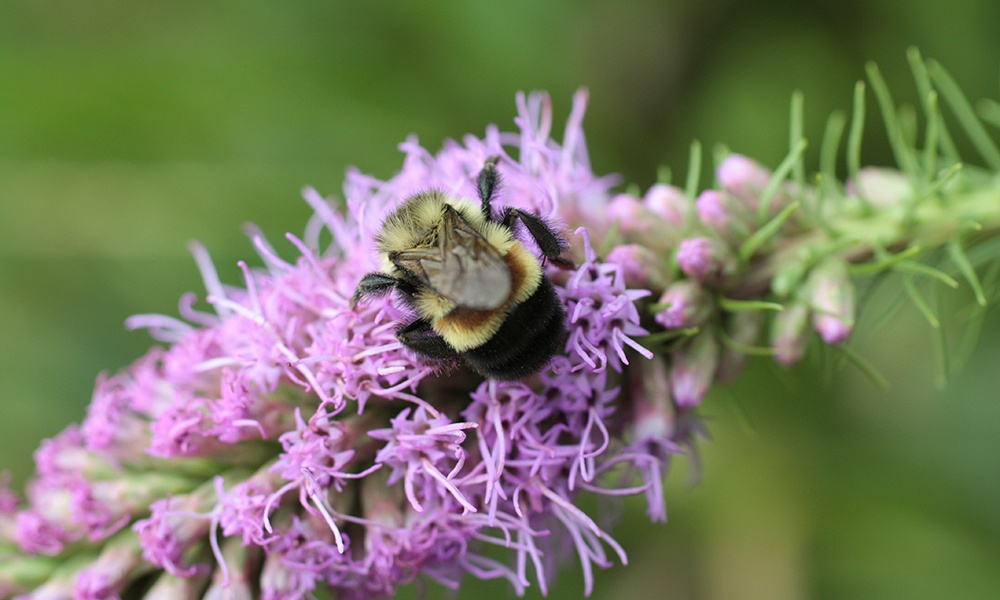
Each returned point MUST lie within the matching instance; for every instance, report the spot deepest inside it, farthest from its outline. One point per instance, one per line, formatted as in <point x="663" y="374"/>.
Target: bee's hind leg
<point x="421" y="338"/>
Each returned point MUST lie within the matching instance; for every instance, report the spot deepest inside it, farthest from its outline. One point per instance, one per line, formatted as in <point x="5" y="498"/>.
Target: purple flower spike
<point x="287" y="442"/>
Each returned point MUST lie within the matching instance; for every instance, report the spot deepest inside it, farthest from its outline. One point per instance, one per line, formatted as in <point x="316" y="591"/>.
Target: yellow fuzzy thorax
<point x="410" y="225"/>
<point x="415" y="223"/>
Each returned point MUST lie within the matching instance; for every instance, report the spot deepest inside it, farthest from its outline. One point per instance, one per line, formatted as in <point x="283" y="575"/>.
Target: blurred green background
<point x="128" y="130"/>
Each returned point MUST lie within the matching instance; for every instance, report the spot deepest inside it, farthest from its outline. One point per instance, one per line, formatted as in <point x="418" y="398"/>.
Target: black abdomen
<point x="533" y="332"/>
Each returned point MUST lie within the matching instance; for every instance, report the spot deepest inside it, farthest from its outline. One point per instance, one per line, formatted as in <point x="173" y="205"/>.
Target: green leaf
<point x="694" y="171"/>
<point x="882" y="262"/>
<point x="957" y="255"/>
<point x="759" y="237"/>
<point x="796" y="137"/>
<point x="732" y="305"/>
<point x="669" y="335"/>
<point x="856" y="132"/>
<point x="922" y="305"/>
<point x="989" y="111"/>
<point x="866" y="367"/>
<point x="664" y="175"/>
<point x="931" y="110"/>
<point x="897" y="141"/>
<point x="832" y="135"/>
<point x="779" y="175"/>
<point x="965" y="114"/>
<point x="915" y="267"/>
<point x="744" y="348"/>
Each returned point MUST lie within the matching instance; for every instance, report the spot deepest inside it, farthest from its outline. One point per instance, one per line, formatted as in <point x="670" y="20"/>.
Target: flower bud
<point x="688" y="305"/>
<point x="693" y="369"/>
<point x="641" y="266"/>
<point x="707" y="260"/>
<point x="743" y="177"/>
<point x="724" y="214"/>
<point x="882" y="187"/>
<point x="790" y="332"/>
<point x="638" y="224"/>
<point x="668" y="202"/>
<point x="632" y="215"/>
<point x="832" y="300"/>
<point x="112" y="569"/>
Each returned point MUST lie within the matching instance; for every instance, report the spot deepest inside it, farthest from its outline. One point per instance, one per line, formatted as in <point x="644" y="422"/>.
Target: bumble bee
<point x="479" y="294"/>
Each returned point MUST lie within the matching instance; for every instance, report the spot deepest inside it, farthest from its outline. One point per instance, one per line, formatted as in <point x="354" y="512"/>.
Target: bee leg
<point x="421" y="338"/>
<point x="548" y="241"/>
<point x="487" y="183"/>
<point x="373" y="285"/>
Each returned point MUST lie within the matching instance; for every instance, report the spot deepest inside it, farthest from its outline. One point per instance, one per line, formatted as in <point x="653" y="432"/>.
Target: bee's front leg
<point x="373" y="285"/>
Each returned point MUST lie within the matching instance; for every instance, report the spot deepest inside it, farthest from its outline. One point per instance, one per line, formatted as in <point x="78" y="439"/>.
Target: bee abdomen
<point x="531" y="334"/>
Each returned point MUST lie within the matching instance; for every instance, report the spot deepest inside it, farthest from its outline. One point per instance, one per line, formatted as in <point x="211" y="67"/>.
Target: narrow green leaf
<point x="931" y="134"/>
<point x="973" y="323"/>
<point x="779" y="175"/>
<point x="795" y="137"/>
<point x="919" y="68"/>
<point x="664" y="175"/>
<point x="719" y="153"/>
<point x="733" y="305"/>
<point x="989" y="111"/>
<point x="883" y="262"/>
<point x="922" y="305"/>
<point x="957" y="255"/>
<point x="755" y="241"/>
<point x="902" y="152"/>
<point x="966" y="115"/>
<point x="907" y="116"/>
<point x="944" y="177"/>
<point x="931" y="111"/>
<point x="939" y="346"/>
<point x="831" y="143"/>
<point x="909" y="266"/>
<point x="694" y="171"/>
<point x="744" y="348"/>
<point x="866" y="367"/>
<point x="856" y="132"/>
<point x="670" y="335"/>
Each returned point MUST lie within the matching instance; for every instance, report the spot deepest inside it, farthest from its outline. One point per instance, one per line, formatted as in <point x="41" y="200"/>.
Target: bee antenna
<point x="488" y="182"/>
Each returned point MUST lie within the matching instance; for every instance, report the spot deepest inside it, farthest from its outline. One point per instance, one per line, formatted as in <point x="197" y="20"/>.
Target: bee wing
<point x="462" y="267"/>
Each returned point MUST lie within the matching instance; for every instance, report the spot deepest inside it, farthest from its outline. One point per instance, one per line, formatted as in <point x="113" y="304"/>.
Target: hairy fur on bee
<point x="479" y="294"/>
